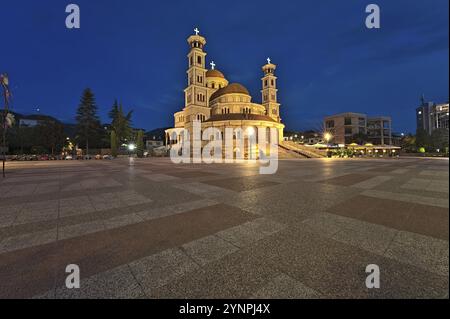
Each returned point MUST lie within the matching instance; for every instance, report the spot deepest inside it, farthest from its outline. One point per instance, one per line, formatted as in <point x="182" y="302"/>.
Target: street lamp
<point x="328" y="137"/>
<point x="4" y="83"/>
<point x="131" y="148"/>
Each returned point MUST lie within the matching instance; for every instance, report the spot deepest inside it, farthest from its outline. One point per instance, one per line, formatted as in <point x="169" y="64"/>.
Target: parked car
<point x="44" y="158"/>
<point x="98" y="157"/>
<point x="87" y="157"/>
<point x="107" y="157"/>
<point x="68" y="158"/>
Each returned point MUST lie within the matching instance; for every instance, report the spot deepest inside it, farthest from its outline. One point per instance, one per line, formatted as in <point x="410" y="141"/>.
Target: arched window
<point x="201" y="117"/>
<point x="247" y="110"/>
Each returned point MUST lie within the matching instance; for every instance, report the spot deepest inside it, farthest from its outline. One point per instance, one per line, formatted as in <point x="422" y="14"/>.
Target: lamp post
<point x="131" y="148"/>
<point x="328" y="137"/>
<point x="4" y="82"/>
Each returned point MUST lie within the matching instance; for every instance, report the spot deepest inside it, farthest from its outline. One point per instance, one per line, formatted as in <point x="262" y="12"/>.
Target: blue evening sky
<point x="135" y="51"/>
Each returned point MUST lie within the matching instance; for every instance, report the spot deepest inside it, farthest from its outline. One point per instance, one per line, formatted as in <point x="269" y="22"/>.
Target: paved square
<point x="150" y="229"/>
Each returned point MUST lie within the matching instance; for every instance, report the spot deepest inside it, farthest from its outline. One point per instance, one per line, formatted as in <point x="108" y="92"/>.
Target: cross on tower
<point x="197" y="31"/>
<point x="213" y="65"/>
<point x="268" y="60"/>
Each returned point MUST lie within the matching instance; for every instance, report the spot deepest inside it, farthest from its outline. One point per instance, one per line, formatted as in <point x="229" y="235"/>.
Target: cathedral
<point x="214" y="102"/>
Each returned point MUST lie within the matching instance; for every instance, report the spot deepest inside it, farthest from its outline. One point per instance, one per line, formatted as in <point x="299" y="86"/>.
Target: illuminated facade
<point x="212" y="100"/>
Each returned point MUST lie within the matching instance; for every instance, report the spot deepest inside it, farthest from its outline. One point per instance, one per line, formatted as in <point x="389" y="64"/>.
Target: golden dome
<point x="214" y="74"/>
<point x="230" y="89"/>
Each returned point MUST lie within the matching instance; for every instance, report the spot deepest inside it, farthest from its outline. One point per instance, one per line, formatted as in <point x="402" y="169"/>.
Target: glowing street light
<point x="131" y="147"/>
<point x="328" y="137"/>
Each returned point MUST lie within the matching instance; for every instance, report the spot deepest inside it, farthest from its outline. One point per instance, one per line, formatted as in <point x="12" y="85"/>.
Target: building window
<point x="348" y="121"/>
<point x="329" y="124"/>
<point x="272" y="82"/>
<point x="265" y="83"/>
<point x="362" y="121"/>
<point x="199" y="60"/>
<point x="348" y="131"/>
<point x="200" y="97"/>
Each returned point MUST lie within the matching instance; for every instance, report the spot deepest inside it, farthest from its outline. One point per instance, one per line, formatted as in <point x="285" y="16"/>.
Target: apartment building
<point x="344" y="126"/>
<point x="431" y="116"/>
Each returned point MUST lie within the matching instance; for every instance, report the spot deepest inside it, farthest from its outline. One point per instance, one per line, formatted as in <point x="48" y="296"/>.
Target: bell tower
<point x="269" y="91"/>
<point x="196" y="91"/>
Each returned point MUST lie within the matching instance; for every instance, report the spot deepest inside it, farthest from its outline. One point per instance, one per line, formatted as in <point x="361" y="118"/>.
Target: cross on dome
<point x="197" y="31"/>
<point x="213" y="65"/>
<point x="269" y="60"/>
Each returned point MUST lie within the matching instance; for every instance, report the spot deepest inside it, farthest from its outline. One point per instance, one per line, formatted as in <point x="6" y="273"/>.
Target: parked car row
<point x="88" y="157"/>
<point x="57" y="157"/>
<point x="34" y="158"/>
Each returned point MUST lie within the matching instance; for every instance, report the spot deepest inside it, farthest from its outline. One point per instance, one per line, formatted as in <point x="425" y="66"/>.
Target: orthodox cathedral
<point x="213" y="101"/>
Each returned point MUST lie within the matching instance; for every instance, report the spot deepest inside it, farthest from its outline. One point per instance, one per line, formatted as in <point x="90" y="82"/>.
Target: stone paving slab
<point x="150" y="229"/>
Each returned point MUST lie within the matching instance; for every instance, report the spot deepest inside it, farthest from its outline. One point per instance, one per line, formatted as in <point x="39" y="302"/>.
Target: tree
<point x="113" y="114"/>
<point x="88" y="123"/>
<point x="423" y="139"/>
<point x="439" y="139"/>
<point x="360" y="138"/>
<point x="408" y="143"/>
<point x="140" y="143"/>
<point x="51" y="135"/>
<point x="113" y="144"/>
<point x="120" y="122"/>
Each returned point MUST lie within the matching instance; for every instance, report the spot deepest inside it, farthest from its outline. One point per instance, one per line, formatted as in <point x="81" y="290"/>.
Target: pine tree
<point x="113" y="114"/>
<point x="140" y="143"/>
<point x="88" y="123"/>
<point x="113" y="144"/>
<point x="120" y="122"/>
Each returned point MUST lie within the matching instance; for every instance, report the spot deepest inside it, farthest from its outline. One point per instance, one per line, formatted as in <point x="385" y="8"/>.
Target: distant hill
<point x="38" y="117"/>
<point x="156" y="134"/>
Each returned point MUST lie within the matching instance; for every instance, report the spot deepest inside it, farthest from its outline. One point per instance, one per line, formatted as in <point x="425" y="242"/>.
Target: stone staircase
<point x="286" y="153"/>
<point x="305" y="151"/>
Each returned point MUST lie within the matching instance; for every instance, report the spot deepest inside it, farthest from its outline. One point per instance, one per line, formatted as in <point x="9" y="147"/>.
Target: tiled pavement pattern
<point x="150" y="229"/>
